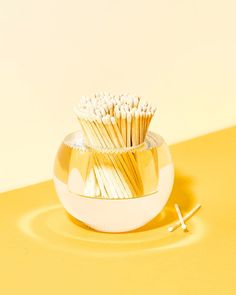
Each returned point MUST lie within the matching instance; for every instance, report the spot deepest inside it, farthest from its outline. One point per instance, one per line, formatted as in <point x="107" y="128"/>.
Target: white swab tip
<point x="137" y="114"/>
<point x="123" y="114"/>
<point x="184" y="226"/>
<point x="113" y="120"/>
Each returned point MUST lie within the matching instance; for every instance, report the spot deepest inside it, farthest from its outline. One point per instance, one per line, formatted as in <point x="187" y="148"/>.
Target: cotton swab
<point x="185" y="218"/>
<point x="183" y="225"/>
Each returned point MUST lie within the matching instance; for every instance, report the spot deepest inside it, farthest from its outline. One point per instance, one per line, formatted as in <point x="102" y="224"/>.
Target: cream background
<point x="180" y="55"/>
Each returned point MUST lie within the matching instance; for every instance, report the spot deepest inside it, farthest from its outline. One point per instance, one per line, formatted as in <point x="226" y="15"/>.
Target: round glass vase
<point x="89" y="182"/>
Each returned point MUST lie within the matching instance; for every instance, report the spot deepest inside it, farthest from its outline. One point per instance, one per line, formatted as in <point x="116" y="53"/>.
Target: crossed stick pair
<point x="182" y="219"/>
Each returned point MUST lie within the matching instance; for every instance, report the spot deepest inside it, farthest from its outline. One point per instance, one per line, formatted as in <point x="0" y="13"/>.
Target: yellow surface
<point x="179" y="55"/>
<point x="43" y="251"/>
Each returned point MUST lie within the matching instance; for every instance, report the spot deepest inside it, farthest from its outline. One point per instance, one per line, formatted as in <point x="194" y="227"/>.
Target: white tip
<point x="104" y="120"/>
<point x="129" y="116"/>
<point x="133" y="110"/>
<point x="79" y="113"/>
<point x="102" y="111"/>
<point x="127" y="108"/>
<point x="99" y="118"/>
<point x="154" y="110"/>
<point x="116" y="108"/>
<point x="135" y="101"/>
<point x="118" y="114"/>
<point x="123" y="114"/>
<point x="184" y="226"/>
<point x="137" y="114"/>
<point x="110" y="104"/>
<point x="130" y="100"/>
<point x="113" y="120"/>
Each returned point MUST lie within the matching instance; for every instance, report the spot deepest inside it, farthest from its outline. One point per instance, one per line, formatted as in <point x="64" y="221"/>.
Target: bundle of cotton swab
<point x="115" y="122"/>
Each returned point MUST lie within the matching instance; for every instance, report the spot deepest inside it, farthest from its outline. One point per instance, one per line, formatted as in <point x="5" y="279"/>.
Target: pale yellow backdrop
<point x="180" y="55"/>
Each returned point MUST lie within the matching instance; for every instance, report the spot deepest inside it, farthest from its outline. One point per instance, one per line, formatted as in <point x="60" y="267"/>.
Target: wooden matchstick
<point x="133" y="132"/>
<point x="105" y="173"/>
<point x="141" y="127"/>
<point x="91" y="187"/>
<point x="100" y="178"/>
<point x="137" y="125"/>
<point x="120" y="189"/>
<point x="128" y="157"/>
<point x="185" y="218"/>
<point x="118" y="118"/>
<point x="129" y="122"/>
<point x="123" y="125"/>
<point x="122" y="157"/>
<point x="103" y="134"/>
<point x="183" y="225"/>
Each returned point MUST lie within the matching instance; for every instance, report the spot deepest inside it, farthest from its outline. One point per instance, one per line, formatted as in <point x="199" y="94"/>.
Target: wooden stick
<point x="109" y="174"/>
<point x="128" y="158"/>
<point x="124" y="157"/>
<point x="137" y="127"/>
<point x="105" y="173"/>
<point x="133" y="132"/>
<point x="129" y="122"/>
<point x="103" y="132"/>
<point x="110" y="180"/>
<point x="86" y="134"/>
<point x="125" y="163"/>
<point x="150" y="115"/>
<point x="100" y="178"/>
<point x="185" y="218"/>
<point x="145" y="125"/>
<point x="118" y="118"/>
<point x="91" y="187"/>
<point x="136" y="101"/>
<point x="119" y="188"/>
<point x="107" y="142"/>
<point x="141" y="127"/>
<point x="123" y="125"/>
<point x="183" y="225"/>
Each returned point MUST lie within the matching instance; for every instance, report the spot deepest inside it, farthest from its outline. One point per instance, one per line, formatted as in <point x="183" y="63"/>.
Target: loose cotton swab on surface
<point x="185" y="218"/>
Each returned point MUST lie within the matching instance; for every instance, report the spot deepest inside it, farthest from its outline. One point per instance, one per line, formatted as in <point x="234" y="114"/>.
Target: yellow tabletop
<point x="44" y="251"/>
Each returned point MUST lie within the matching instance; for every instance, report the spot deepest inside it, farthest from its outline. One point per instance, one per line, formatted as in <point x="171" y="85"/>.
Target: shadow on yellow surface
<point x="182" y="195"/>
<point x="52" y="226"/>
<point x="39" y="240"/>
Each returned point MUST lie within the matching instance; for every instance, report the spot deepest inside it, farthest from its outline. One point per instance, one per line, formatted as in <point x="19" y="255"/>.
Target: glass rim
<point x="152" y="140"/>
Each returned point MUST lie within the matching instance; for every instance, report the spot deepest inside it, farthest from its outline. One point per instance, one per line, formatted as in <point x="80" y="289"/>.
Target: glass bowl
<point x="76" y="179"/>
